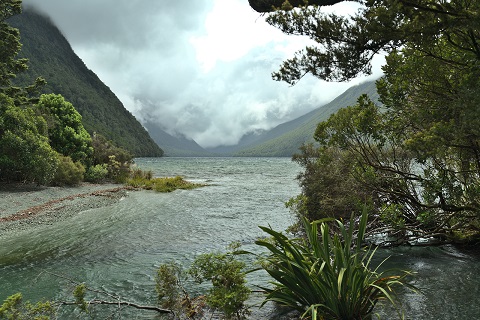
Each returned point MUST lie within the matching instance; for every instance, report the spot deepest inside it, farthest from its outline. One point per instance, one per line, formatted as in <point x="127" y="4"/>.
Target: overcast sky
<point x="197" y="67"/>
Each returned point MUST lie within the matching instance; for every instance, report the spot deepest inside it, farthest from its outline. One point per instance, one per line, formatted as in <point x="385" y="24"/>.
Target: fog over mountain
<point x="199" y="68"/>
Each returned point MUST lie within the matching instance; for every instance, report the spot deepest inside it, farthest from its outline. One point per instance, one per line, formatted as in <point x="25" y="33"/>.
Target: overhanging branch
<point x="270" y="5"/>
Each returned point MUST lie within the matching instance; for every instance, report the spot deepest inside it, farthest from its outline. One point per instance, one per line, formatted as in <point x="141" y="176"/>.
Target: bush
<point x="229" y="291"/>
<point x="326" y="277"/>
<point x="68" y="172"/>
<point x="97" y="173"/>
<point x="15" y="308"/>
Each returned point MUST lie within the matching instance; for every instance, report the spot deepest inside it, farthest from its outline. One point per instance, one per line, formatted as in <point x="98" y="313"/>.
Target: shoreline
<point x="26" y="206"/>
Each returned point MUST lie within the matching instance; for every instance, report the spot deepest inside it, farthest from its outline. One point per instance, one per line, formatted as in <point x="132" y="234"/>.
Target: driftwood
<point x="119" y="303"/>
<point x="270" y="5"/>
<point x="116" y="300"/>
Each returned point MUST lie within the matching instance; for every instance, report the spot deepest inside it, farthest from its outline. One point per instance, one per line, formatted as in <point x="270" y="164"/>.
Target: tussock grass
<point x="168" y="184"/>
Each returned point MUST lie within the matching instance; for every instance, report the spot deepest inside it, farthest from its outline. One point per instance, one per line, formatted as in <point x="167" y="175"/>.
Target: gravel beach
<point x="24" y="206"/>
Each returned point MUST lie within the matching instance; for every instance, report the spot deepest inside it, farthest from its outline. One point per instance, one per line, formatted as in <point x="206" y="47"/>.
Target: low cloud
<point x="200" y="68"/>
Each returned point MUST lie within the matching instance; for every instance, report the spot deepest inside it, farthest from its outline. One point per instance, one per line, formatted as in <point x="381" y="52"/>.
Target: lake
<point x="118" y="248"/>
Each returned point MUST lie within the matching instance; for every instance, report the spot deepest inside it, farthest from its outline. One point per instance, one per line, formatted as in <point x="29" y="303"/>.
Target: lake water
<point x="119" y="248"/>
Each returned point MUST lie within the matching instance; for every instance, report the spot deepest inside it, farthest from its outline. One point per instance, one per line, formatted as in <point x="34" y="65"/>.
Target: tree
<point x="10" y="66"/>
<point x="346" y="45"/>
<point x="25" y="154"/>
<point x="416" y="157"/>
<point x="9" y="38"/>
<point x="270" y="5"/>
<point x="66" y="132"/>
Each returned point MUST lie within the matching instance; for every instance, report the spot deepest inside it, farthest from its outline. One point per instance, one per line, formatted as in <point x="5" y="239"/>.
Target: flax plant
<point x="327" y="276"/>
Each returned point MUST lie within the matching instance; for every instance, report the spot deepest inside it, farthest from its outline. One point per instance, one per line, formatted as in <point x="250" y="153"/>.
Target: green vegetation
<point x="68" y="172"/>
<point x="65" y="129"/>
<point x="25" y="152"/>
<point x="286" y="139"/>
<point x="414" y="160"/>
<point x="144" y="180"/>
<point x="13" y="308"/>
<point x="42" y="138"/>
<point x="227" y="294"/>
<point x="51" y="56"/>
<point x="325" y="276"/>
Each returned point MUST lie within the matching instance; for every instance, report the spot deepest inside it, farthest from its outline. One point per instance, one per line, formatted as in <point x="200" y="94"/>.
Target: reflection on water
<point x="118" y="248"/>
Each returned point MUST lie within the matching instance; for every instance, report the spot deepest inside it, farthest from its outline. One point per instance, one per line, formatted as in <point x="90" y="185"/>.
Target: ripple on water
<point x="118" y="248"/>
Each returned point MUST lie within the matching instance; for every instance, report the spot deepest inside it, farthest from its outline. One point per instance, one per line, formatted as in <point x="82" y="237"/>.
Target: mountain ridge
<point x="52" y="57"/>
<point x="285" y="139"/>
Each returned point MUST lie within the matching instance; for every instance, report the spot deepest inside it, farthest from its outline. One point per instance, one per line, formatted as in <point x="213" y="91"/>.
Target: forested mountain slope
<point x="285" y="139"/>
<point x="52" y="57"/>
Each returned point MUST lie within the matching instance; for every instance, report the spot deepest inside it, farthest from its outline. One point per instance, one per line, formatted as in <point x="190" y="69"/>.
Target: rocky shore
<point x="24" y="206"/>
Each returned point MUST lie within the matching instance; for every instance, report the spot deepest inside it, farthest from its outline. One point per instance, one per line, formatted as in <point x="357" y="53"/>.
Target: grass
<point x="168" y="184"/>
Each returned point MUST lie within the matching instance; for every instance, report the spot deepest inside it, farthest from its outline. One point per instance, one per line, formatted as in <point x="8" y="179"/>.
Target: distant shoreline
<point x="26" y="206"/>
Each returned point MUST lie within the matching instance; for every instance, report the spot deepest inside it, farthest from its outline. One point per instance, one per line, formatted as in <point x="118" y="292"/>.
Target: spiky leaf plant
<point x="327" y="276"/>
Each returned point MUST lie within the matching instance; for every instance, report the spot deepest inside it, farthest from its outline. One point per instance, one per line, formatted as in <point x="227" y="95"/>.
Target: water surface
<point x="118" y="248"/>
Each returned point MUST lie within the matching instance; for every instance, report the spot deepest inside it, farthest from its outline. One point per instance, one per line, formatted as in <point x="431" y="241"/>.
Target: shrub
<point x="97" y="173"/>
<point x="168" y="286"/>
<point x="229" y="291"/>
<point x="327" y="277"/>
<point x="68" y="172"/>
<point x="15" y="308"/>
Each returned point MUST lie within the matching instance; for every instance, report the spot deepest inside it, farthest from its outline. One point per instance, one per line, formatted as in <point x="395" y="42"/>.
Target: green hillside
<point x="52" y="57"/>
<point x="285" y="139"/>
<point x="175" y="146"/>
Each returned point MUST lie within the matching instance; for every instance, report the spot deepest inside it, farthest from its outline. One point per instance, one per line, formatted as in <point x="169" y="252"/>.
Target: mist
<point x="199" y="68"/>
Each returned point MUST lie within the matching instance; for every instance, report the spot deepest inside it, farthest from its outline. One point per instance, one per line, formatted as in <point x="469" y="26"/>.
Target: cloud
<point x="200" y="68"/>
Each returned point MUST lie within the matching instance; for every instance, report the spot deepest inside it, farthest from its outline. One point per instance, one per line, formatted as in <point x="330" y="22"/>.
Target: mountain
<point x="285" y="139"/>
<point x="51" y="56"/>
<point x="176" y="146"/>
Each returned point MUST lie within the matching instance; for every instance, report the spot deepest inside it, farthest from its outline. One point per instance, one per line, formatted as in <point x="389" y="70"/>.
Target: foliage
<point x="13" y="308"/>
<point x="346" y="45"/>
<point x="25" y="154"/>
<point x="52" y="57"/>
<point x="104" y="149"/>
<point x="10" y="66"/>
<point x="328" y="277"/>
<point x="66" y="132"/>
<point x="228" y="292"/>
<point x="96" y="173"/>
<point x="415" y="158"/>
<point x="117" y="161"/>
<point x="79" y="294"/>
<point x="68" y="172"/>
<point x="168" y="286"/>
<point x="168" y="184"/>
<point x="329" y="188"/>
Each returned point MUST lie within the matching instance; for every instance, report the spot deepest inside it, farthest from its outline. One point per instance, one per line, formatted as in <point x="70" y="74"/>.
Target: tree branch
<point x="263" y="6"/>
<point x="119" y="303"/>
